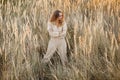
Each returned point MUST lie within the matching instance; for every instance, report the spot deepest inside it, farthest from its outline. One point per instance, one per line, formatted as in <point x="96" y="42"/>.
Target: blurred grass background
<point x="93" y="40"/>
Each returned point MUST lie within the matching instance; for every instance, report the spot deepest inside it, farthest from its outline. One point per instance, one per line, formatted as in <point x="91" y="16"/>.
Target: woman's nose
<point x="60" y="17"/>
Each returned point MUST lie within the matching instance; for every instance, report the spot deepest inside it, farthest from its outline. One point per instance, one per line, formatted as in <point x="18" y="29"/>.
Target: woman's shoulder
<point x="50" y="23"/>
<point x="64" y="23"/>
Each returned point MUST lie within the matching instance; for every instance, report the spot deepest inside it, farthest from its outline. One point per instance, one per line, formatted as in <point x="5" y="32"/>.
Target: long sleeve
<point x="63" y="33"/>
<point x="51" y="32"/>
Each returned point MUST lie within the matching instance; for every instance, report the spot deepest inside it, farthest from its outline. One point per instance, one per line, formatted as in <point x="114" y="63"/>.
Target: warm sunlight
<point x="78" y="41"/>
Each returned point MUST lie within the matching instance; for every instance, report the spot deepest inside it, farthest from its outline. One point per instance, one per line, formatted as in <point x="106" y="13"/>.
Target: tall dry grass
<point x="93" y="40"/>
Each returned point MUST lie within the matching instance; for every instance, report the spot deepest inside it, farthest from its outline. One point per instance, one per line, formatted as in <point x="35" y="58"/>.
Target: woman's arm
<point x="64" y="31"/>
<point x="51" y="32"/>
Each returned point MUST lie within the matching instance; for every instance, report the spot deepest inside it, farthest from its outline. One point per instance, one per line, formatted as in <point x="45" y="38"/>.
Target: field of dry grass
<point x="93" y="40"/>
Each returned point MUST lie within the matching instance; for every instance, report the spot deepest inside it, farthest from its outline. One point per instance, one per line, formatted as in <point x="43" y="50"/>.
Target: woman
<point x="57" y="30"/>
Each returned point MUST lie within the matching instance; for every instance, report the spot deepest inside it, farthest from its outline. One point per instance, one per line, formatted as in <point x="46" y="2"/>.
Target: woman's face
<point x="60" y="16"/>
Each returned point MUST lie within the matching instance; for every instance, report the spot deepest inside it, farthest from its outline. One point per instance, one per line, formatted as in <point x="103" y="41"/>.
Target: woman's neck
<point x="58" y="24"/>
